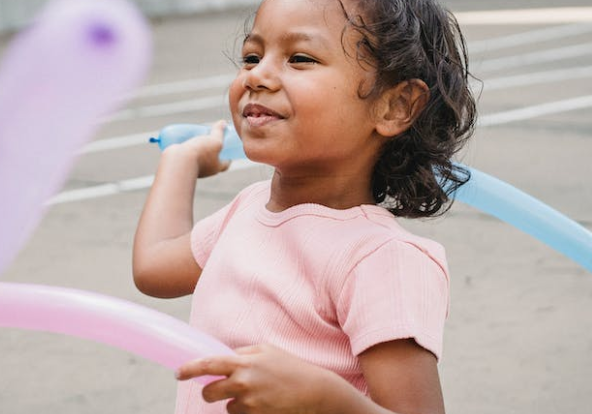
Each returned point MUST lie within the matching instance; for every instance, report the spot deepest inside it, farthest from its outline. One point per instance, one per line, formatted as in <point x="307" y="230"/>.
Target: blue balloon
<point x="528" y="214"/>
<point x="483" y="192"/>
<point x="177" y="133"/>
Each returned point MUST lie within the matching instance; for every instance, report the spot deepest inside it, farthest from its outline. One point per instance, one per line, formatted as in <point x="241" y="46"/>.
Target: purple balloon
<point x="58" y="79"/>
<point x="145" y="332"/>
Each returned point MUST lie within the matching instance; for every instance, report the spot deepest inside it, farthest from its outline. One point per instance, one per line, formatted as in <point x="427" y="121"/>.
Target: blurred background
<point x="519" y="333"/>
<point x="16" y="13"/>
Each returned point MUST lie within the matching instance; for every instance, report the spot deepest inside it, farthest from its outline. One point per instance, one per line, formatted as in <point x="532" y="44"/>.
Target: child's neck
<point x="338" y="192"/>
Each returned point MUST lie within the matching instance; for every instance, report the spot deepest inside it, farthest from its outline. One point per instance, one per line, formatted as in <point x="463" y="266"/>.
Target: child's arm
<point x="163" y="265"/>
<point x="402" y="378"/>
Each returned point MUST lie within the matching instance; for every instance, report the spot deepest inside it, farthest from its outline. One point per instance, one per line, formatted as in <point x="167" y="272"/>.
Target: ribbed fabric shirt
<point x="321" y="283"/>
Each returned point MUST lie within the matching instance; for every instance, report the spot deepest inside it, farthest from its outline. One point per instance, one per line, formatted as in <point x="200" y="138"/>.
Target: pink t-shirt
<point x="321" y="283"/>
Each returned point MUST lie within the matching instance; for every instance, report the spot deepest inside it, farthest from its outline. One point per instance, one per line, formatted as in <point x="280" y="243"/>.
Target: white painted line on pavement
<point x="102" y="190"/>
<point x="123" y="186"/>
<point x="536" y="111"/>
<point x="555" y="15"/>
<point x="528" y="38"/>
<point x="118" y="142"/>
<point x="549" y="55"/>
<point x="191" y="105"/>
<point x="536" y="78"/>
<point x="190" y="85"/>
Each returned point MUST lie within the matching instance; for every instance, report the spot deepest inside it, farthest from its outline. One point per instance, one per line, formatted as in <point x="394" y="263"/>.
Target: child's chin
<point x="259" y="152"/>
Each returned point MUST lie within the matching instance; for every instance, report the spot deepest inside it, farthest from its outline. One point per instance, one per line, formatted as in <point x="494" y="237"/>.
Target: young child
<point x="331" y="306"/>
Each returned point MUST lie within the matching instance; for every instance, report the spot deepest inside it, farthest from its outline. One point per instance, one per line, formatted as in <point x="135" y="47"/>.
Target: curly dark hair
<point x="418" y="39"/>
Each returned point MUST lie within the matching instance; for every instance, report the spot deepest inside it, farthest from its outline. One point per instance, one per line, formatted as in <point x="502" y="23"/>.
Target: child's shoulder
<point x="395" y="237"/>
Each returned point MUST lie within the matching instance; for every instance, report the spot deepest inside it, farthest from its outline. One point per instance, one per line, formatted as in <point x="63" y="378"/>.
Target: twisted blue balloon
<point x="483" y="192"/>
<point x="177" y="133"/>
<point x="528" y="214"/>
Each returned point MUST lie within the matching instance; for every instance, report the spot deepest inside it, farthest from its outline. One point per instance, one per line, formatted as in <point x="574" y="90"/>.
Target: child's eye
<point x="302" y="59"/>
<point x="250" y="60"/>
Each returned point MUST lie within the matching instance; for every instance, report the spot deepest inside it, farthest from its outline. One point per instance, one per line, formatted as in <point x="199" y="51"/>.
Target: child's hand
<point x="261" y="379"/>
<point x="206" y="148"/>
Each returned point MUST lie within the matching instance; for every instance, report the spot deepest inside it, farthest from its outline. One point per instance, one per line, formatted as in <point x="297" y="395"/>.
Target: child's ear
<point x="399" y="107"/>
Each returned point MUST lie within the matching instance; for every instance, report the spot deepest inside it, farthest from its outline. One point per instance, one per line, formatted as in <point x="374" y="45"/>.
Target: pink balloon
<point x="145" y="332"/>
<point x="58" y="79"/>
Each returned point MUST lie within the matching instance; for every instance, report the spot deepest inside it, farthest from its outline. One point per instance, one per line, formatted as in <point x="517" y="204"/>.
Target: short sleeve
<point x="206" y="232"/>
<point x="396" y="292"/>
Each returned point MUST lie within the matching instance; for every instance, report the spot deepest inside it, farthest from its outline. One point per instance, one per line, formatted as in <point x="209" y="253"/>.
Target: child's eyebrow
<point x="289" y="37"/>
<point x="253" y="38"/>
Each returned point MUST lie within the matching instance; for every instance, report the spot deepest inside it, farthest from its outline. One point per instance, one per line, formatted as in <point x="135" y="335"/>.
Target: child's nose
<point x="264" y="76"/>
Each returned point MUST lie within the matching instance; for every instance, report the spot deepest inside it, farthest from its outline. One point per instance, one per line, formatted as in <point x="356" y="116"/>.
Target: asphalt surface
<point x="519" y="335"/>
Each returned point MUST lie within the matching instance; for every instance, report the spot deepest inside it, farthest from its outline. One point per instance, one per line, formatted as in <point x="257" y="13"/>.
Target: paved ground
<point x="519" y="336"/>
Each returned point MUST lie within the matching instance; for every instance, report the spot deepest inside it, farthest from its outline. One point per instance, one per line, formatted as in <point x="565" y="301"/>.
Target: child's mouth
<point x="259" y="115"/>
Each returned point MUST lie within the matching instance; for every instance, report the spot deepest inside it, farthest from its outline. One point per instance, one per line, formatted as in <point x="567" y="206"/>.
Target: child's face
<point x="295" y="101"/>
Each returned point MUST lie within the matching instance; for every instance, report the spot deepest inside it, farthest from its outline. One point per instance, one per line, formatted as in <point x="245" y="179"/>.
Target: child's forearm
<point x="168" y="212"/>
<point x="402" y="378"/>
<point x="340" y="397"/>
<point x="269" y="380"/>
<point x="162" y="263"/>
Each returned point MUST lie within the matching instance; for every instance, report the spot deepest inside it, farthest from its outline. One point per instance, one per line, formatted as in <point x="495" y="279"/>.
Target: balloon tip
<point x="101" y="34"/>
<point x="153" y="140"/>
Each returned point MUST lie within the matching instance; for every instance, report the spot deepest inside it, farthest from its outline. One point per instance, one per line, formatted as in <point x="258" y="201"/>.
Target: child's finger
<point x="216" y="366"/>
<point x="235" y="407"/>
<point x="217" y="391"/>
<point x="218" y="129"/>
